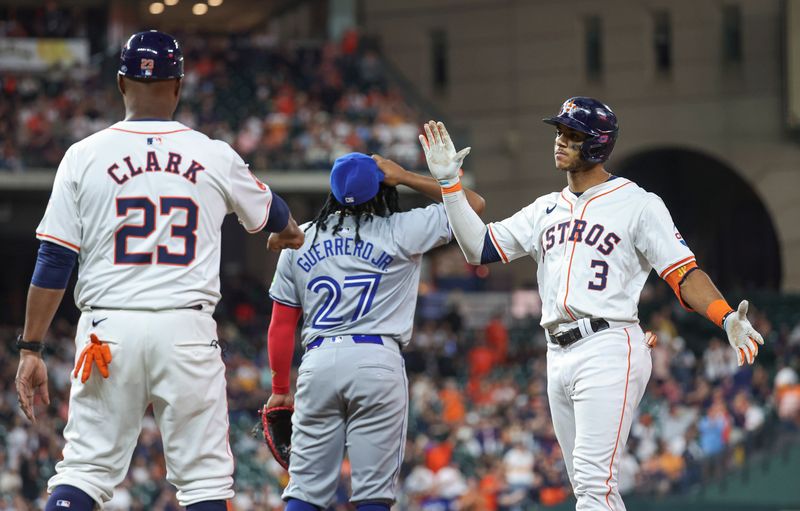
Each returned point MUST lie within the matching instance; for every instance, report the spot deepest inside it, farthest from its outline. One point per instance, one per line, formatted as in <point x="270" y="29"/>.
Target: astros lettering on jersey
<point x="606" y="239"/>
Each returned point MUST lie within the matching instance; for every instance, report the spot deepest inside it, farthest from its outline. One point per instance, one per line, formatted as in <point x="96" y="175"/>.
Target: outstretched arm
<point x="699" y="292"/>
<point x="444" y="162"/>
<point x="659" y="241"/>
<point x="395" y="175"/>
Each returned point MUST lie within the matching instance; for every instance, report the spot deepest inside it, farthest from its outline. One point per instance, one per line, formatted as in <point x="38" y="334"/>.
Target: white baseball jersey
<point x="369" y="287"/>
<point x="594" y="250"/>
<point x="142" y="203"/>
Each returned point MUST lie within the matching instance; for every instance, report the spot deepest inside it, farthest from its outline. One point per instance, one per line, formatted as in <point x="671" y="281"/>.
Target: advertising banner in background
<point x="32" y="54"/>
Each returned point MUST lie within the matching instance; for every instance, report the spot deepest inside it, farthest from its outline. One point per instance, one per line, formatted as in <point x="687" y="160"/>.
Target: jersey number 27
<point x="368" y="285"/>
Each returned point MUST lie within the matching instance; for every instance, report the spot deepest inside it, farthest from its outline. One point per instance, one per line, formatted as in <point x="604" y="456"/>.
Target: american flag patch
<point x="63" y="503"/>
<point x="154" y="141"/>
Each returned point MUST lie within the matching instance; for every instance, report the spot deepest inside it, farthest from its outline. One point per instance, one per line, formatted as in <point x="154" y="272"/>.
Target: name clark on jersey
<point x="558" y="233"/>
<point x="121" y="175"/>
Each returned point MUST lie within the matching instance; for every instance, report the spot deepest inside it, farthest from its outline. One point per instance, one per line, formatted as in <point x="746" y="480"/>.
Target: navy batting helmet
<point x="594" y="118"/>
<point x="151" y="55"/>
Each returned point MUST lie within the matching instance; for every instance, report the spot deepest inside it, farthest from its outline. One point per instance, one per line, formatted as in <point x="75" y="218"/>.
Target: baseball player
<point x="594" y="243"/>
<point x="354" y="281"/>
<point x="140" y="206"/>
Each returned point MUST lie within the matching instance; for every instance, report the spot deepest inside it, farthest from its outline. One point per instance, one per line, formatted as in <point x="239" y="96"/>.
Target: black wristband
<point x="726" y="317"/>
<point x="37" y="346"/>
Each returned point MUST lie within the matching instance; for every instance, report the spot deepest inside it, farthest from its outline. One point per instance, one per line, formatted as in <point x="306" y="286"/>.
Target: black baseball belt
<point x="574" y="335"/>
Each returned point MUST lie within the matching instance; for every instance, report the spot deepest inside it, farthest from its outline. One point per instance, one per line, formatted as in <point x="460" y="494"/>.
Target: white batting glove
<point x="443" y="160"/>
<point x="741" y="334"/>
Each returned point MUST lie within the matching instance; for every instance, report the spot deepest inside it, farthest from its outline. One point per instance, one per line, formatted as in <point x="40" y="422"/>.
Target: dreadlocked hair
<point x="385" y="202"/>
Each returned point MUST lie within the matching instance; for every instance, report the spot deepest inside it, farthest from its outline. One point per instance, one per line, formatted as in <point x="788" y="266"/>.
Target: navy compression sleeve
<point x="278" y="215"/>
<point x="489" y="254"/>
<point x="54" y="265"/>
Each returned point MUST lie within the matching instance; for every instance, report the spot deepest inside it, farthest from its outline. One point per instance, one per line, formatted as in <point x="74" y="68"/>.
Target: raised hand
<point x="444" y="162"/>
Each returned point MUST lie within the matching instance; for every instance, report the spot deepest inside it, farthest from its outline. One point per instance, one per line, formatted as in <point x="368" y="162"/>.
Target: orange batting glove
<point x="94" y="351"/>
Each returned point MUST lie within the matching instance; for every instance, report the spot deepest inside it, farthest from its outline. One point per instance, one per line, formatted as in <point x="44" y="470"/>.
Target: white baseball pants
<point x="594" y="387"/>
<point x="166" y="359"/>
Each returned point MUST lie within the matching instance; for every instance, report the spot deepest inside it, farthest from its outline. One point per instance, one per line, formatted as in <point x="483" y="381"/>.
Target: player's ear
<point x="121" y="84"/>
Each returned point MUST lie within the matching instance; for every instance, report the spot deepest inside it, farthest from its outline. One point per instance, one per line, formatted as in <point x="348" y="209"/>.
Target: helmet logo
<point x="147" y="66"/>
<point x="602" y="139"/>
<point x="567" y="108"/>
<point x="570" y="106"/>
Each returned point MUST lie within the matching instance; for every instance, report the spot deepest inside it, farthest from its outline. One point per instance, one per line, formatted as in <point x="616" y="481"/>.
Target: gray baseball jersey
<point x="349" y="395"/>
<point x="369" y="287"/>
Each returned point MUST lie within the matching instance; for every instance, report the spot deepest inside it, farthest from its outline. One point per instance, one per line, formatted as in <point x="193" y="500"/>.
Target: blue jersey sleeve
<point x="489" y="254"/>
<point x="54" y="265"/>
<point x="278" y="215"/>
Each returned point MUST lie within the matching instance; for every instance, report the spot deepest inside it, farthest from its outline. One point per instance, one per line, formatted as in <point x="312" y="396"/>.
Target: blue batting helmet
<point x="355" y="179"/>
<point x="151" y="55"/>
<point x="593" y="118"/>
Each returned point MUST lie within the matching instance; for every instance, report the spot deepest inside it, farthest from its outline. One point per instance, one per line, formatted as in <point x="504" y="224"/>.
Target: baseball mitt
<point x="276" y="428"/>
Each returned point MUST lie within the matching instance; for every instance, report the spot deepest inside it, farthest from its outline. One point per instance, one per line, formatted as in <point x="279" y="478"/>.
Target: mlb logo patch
<point x="63" y="503"/>
<point x="154" y="141"/>
<point x="349" y="200"/>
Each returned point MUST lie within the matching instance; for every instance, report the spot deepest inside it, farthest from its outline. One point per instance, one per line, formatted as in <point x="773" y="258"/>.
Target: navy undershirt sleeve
<point x="278" y="215"/>
<point x="54" y="265"/>
<point x="489" y="254"/>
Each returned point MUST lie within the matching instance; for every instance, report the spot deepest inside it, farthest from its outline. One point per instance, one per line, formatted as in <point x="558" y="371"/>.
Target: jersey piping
<point x="67" y="244"/>
<point x="575" y="242"/>
<point x="567" y="201"/>
<point x="675" y="266"/>
<point x="266" y="217"/>
<point x="151" y="132"/>
<point x="621" y="421"/>
<point x="497" y="245"/>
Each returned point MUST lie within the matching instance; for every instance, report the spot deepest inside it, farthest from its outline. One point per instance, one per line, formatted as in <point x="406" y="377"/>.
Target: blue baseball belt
<point x="358" y="339"/>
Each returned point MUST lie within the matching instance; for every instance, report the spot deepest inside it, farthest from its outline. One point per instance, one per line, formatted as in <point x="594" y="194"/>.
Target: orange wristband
<point x="451" y="189"/>
<point x="717" y="310"/>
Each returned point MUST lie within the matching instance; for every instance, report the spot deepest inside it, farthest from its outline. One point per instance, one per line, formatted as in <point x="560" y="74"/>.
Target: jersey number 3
<point x="600" y="277"/>
<point x="148" y="225"/>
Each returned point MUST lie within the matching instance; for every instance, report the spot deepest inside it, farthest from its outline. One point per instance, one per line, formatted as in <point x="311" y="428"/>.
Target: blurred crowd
<point x="281" y="106"/>
<point x="49" y="19"/>
<point x="480" y="433"/>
